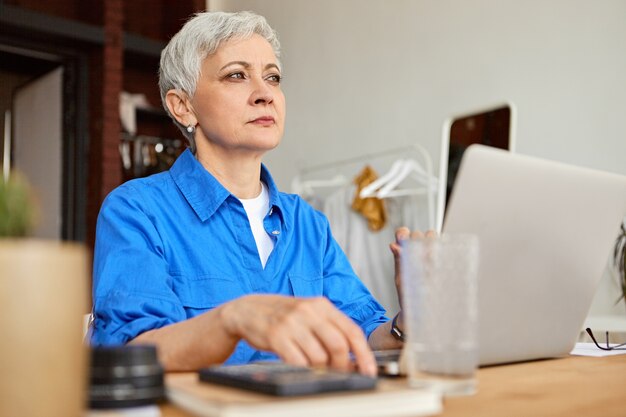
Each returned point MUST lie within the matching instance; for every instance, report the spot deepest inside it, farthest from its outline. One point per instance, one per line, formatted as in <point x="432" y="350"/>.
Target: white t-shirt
<point x="256" y="209"/>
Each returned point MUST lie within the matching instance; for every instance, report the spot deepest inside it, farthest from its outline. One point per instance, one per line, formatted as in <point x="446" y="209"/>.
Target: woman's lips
<point x="263" y="121"/>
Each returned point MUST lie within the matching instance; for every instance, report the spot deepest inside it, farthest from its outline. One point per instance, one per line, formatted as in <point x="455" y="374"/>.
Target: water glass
<point x="439" y="285"/>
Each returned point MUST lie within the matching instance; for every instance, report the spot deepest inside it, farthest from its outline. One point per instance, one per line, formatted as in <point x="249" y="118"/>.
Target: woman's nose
<point x="262" y="93"/>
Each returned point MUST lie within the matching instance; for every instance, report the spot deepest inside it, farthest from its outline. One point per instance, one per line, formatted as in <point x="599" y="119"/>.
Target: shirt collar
<point x="275" y="201"/>
<point x="203" y="191"/>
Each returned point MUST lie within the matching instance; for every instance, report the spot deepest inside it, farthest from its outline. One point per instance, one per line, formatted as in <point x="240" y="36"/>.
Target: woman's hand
<point x="301" y="331"/>
<point x="404" y="233"/>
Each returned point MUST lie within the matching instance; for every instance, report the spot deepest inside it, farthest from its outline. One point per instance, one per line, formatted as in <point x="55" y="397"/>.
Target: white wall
<point x="366" y="75"/>
<point x="37" y="146"/>
<point x="376" y="74"/>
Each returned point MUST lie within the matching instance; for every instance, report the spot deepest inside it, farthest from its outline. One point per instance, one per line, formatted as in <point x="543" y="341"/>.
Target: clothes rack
<point x="299" y="183"/>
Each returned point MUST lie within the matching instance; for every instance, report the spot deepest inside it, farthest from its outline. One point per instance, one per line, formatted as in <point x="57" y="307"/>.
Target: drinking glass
<point x="439" y="286"/>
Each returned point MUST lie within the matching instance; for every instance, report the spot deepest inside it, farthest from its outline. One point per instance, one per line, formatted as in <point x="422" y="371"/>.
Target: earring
<point x="191" y="128"/>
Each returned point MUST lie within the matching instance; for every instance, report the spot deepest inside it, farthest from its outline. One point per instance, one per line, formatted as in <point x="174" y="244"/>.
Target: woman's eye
<point x="275" y="78"/>
<point x="236" y="76"/>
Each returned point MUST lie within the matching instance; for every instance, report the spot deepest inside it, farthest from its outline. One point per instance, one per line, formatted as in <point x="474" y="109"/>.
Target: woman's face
<point x="238" y="101"/>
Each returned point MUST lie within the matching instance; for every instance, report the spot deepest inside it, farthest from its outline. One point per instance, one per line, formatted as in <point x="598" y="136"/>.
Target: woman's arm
<point x="191" y="344"/>
<point x="381" y="338"/>
<point x="302" y="331"/>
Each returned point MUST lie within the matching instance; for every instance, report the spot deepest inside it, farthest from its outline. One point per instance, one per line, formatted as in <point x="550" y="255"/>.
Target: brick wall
<point x="109" y="75"/>
<point x="85" y="11"/>
<point x="106" y="75"/>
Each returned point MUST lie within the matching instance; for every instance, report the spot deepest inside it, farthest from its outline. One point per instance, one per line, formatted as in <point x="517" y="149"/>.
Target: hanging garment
<point x="372" y="209"/>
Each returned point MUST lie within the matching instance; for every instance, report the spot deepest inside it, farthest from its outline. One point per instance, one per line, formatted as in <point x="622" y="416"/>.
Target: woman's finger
<point x="319" y="334"/>
<point x="357" y="343"/>
<point x="402" y="233"/>
<point x="311" y="345"/>
<point x="417" y="234"/>
<point x="288" y="351"/>
<point x="336" y="344"/>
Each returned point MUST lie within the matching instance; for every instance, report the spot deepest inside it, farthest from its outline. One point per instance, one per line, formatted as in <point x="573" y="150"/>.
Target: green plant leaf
<point x="17" y="211"/>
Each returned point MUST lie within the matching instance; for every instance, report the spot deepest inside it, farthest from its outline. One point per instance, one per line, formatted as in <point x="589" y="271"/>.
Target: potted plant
<point x="17" y="208"/>
<point x="43" y="296"/>
<point x="619" y="260"/>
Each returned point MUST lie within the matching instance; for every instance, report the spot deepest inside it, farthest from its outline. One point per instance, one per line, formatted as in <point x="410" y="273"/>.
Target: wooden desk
<point x="573" y="386"/>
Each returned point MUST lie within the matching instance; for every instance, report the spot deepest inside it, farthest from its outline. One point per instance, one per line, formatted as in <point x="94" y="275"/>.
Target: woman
<point x="209" y="261"/>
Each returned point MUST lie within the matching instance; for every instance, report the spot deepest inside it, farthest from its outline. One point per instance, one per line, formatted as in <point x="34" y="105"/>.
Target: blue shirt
<point x="177" y="244"/>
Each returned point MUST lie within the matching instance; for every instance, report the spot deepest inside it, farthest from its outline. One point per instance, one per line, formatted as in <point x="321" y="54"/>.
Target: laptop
<point x="546" y="230"/>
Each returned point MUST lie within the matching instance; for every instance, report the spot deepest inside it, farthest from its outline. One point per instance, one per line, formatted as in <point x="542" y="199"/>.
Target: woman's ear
<point x="179" y="106"/>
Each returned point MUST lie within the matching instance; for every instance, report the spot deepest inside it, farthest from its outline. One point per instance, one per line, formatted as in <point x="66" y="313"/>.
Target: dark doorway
<point x="26" y="72"/>
<point x="491" y="127"/>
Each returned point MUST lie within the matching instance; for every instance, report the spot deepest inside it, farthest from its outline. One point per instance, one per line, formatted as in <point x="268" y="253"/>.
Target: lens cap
<point x="125" y="376"/>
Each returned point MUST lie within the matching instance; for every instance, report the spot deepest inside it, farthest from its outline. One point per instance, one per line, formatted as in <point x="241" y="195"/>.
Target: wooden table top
<point x="572" y="386"/>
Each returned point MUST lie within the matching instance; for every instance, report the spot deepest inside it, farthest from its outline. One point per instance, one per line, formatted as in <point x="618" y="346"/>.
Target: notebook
<point x="390" y="398"/>
<point x="546" y="231"/>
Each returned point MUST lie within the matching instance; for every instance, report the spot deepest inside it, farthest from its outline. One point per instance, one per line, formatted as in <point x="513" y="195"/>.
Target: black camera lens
<point x="125" y="376"/>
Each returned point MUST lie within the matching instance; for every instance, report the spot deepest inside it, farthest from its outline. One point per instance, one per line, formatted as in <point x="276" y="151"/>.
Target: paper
<point x="590" y="349"/>
<point x="143" y="411"/>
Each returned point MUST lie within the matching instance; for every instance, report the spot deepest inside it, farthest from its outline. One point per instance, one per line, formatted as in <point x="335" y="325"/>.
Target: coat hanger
<point x="370" y="189"/>
<point x="410" y="169"/>
<point x="306" y="188"/>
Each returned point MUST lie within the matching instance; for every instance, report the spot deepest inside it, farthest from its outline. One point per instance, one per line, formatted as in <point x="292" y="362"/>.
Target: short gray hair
<point x="202" y="35"/>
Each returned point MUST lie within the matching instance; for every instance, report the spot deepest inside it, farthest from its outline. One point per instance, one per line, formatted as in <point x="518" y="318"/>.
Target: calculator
<point x="281" y="379"/>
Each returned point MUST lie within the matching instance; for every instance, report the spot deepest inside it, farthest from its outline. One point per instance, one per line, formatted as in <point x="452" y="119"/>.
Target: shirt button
<point x="275" y="232"/>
